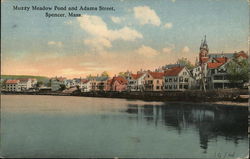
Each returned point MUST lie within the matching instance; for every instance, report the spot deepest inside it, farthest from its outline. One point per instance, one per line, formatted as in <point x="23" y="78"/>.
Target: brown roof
<point x="213" y="65"/>
<point x="157" y="75"/>
<point x="242" y="54"/>
<point x="12" y="81"/>
<point x="221" y="59"/>
<point x="120" y="79"/>
<point x="173" y="71"/>
<point x="23" y="79"/>
<point x="84" y="80"/>
<point x="136" y="76"/>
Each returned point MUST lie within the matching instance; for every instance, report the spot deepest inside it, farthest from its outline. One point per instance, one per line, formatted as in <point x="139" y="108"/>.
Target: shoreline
<point x="218" y="102"/>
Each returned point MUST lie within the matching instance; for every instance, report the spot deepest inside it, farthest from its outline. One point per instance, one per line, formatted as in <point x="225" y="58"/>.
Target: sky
<point x="137" y="34"/>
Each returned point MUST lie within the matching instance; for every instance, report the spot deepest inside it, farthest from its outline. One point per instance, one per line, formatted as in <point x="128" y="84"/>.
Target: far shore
<point x="148" y="99"/>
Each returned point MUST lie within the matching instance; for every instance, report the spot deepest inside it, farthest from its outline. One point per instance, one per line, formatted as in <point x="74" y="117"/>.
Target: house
<point x="218" y="74"/>
<point x="13" y="86"/>
<point x="25" y="83"/>
<point x="85" y="85"/>
<point x="135" y="81"/>
<point x="33" y="82"/>
<point x="240" y="55"/>
<point x="178" y="79"/>
<point x="101" y="83"/>
<point x="57" y="82"/>
<point x="118" y="84"/>
<point x="153" y="81"/>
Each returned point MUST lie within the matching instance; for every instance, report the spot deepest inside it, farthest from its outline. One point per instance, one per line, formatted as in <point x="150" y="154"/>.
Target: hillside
<point x="39" y="78"/>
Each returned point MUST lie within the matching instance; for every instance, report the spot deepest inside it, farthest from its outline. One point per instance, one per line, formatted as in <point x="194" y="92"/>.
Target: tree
<point x="105" y="73"/>
<point x="63" y="87"/>
<point x="123" y="74"/>
<point x="238" y="71"/>
<point x="39" y="84"/>
<point x="185" y="62"/>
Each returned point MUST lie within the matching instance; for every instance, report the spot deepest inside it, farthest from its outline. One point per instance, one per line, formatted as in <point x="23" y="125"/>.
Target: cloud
<point x="102" y="36"/>
<point x="95" y="26"/>
<point x="55" y="43"/>
<point x="185" y="49"/>
<point x="147" y="51"/>
<point x="173" y="1"/>
<point x="167" y="50"/>
<point x="116" y="19"/>
<point x="146" y="15"/>
<point x="168" y="25"/>
<point x="98" y="43"/>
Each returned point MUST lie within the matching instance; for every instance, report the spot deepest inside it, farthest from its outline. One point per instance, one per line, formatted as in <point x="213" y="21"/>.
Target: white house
<point x="13" y="86"/>
<point x="135" y="81"/>
<point x="25" y="83"/>
<point x="85" y="85"/>
<point x="57" y="82"/>
<point x="178" y="79"/>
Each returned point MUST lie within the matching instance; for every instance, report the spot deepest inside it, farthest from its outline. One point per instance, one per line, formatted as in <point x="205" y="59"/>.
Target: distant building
<point x="85" y="85"/>
<point x="178" y="79"/>
<point x="153" y="81"/>
<point x="25" y="83"/>
<point x="135" y="81"/>
<point x="13" y="86"/>
<point x="57" y="82"/>
<point x="118" y="84"/>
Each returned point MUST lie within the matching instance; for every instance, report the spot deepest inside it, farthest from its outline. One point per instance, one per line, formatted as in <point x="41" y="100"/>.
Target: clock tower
<point x="203" y="55"/>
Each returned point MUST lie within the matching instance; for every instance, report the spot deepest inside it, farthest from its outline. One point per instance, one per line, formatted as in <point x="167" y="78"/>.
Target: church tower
<point x="203" y="55"/>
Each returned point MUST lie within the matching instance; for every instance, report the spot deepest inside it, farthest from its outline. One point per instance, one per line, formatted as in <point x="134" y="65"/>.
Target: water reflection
<point x="210" y="122"/>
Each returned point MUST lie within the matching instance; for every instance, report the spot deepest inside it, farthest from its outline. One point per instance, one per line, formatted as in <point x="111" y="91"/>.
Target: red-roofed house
<point x="218" y="76"/>
<point x="213" y="65"/>
<point x="13" y="86"/>
<point x="153" y="81"/>
<point x="240" y="55"/>
<point x="118" y="84"/>
<point x="135" y="81"/>
<point x="85" y="85"/>
<point x="221" y="59"/>
<point x="178" y="79"/>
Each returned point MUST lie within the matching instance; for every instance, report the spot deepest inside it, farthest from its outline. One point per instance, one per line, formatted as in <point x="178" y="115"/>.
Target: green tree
<point x="105" y="73"/>
<point x="123" y="74"/>
<point x="238" y="71"/>
<point x="185" y="62"/>
<point x="63" y="87"/>
<point x="39" y="84"/>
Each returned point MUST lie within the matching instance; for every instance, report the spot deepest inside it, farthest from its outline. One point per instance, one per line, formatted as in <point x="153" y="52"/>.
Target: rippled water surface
<point x="55" y="126"/>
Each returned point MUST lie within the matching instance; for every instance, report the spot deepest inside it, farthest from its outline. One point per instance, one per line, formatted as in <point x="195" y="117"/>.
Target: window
<point x="181" y="79"/>
<point x="170" y="87"/>
<point x="212" y="71"/>
<point x="175" y="79"/>
<point x="180" y="86"/>
<point x="186" y="79"/>
<point x="157" y="81"/>
<point x="185" y="86"/>
<point x="184" y="73"/>
<point x="157" y="87"/>
<point x="170" y="79"/>
<point x="175" y="86"/>
<point x="166" y="80"/>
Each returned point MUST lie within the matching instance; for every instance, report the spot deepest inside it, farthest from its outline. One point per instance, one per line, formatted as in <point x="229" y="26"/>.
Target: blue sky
<point x="138" y="34"/>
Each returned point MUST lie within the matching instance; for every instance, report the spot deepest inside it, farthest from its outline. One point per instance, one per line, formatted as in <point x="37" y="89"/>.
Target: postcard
<point x="124" y="79"/>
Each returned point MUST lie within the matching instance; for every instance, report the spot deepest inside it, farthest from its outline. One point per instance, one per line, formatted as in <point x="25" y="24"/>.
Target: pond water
<point x="57" y="126"/>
